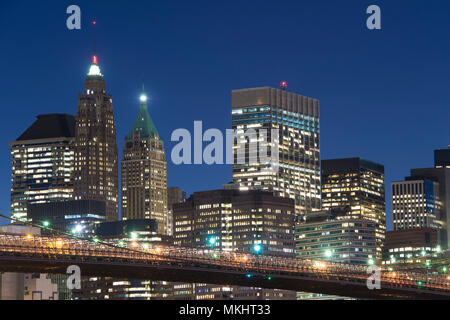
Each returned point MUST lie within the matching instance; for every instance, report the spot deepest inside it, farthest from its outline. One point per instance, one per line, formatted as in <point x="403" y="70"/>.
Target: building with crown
<point x="96" y="162"/>
<point x="144" y="172"/>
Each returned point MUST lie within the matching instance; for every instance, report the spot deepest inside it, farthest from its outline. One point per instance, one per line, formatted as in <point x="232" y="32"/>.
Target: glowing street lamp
<point x="212" y="241"/>
<point x="78" y="229"/>
<point x="46" y="224"/>
<point x="257" y="248"/>
<point x="328" y="253"/>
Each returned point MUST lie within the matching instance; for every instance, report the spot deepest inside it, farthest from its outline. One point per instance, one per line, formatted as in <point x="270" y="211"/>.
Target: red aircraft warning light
<point x="283" y="85"/>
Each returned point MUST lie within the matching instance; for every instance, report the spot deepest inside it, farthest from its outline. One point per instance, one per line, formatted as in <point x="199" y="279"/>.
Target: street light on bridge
<point x="257" y="248"/>
<point x="212" y="241"/>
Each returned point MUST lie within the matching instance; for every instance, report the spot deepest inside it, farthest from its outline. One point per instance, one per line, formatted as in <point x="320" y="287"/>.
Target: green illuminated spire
<point x="143" y="122"/>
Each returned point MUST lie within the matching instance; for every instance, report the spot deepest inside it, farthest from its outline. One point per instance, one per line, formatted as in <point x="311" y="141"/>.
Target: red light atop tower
<point x="283" y="85"/>
<point x="94" y="60"/>
<point x="94" y="22"/>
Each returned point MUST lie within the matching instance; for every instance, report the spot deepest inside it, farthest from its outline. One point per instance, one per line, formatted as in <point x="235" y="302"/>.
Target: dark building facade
<point x="124" y="229"/>
<point x="174" y="195"/>
<point x="72" y="216"/>
<point x="442" y="158"/>
<point x="42" y="163"/>
<point x="96" y="162"/>
<point x="357" y="185"/>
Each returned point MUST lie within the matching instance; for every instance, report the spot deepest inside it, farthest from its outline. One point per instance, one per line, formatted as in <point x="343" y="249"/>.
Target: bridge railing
<point x="67" y="248"/>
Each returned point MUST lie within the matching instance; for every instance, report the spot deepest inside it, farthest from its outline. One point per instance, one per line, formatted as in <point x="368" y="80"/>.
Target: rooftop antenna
<point x="95" y="61"/>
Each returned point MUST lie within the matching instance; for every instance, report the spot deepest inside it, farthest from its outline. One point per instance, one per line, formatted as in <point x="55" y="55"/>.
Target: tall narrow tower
<point x="96" y="172"/>
<point x="144" y="171"/>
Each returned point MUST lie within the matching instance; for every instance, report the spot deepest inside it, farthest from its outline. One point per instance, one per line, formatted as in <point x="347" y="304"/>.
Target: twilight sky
<point x="384" y="94"/>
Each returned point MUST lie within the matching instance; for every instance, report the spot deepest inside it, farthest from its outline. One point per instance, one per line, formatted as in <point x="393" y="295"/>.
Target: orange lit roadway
<point x="54" y="254"/>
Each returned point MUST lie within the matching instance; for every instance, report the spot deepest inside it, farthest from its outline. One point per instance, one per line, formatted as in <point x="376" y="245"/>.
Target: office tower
<point x="296" y="118"/>
<point x="333" y="236"/>
<point x="440" y="174"/>
<point x="144" y="171"/>
<point x="410" y="245"/>
<point x="96" y="171"/>
<point x="357" y="186"/>
<point x="42" y="163"/>
<point x="415" y="204"/>
<point x="236" y="220"/>
<point x="174" y="195"/>
<point x="255" y="222"/>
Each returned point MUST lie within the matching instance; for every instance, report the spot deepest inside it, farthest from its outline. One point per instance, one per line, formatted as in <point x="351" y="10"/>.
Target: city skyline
<point x="335" y="144"/>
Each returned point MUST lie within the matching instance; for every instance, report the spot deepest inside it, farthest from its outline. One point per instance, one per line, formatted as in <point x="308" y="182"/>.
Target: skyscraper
<point x="296" y="118"/>
<point x="415" y="204"/>
<point x="356" y="186"/>
<point x="440" y="174"/>
<point x="144" y="172"/>
<point x="96" y="167"/>
<point x="42" y="163"/>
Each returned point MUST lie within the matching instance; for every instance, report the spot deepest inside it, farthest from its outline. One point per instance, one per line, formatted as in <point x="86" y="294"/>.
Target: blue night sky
<point x="384" y="94"/>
